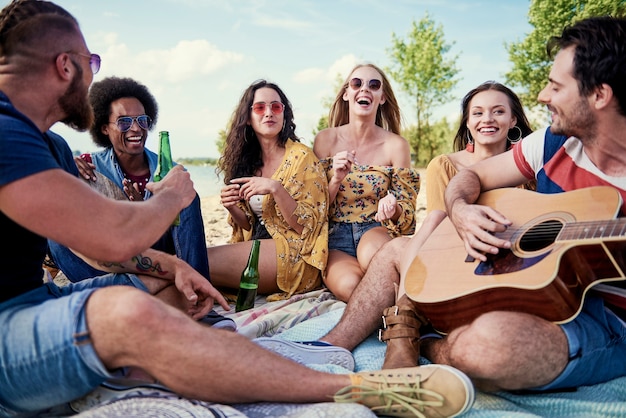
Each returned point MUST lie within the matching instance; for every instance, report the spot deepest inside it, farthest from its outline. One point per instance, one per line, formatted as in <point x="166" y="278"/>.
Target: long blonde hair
<point x="387" y="116"/>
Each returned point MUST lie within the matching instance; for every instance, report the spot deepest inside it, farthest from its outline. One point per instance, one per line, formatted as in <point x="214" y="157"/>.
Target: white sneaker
<point x="309" y="352"/>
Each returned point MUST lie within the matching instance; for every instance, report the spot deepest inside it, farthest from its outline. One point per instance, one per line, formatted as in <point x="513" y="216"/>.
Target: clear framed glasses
<point x="94" y="60"/>
<point x="259" y="107"/>
<point x="124" y="123"/>
<point x="373" y="84"/>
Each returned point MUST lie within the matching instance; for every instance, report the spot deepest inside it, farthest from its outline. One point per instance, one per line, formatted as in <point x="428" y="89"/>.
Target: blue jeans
<point x="186" y="240"/>
<point x="597" y="348"/>
<point x="346" y="236"/>
<point x="46" y="355"/>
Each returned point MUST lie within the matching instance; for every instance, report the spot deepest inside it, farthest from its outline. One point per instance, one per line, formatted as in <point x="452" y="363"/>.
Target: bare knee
<point x="369" y="245"/>
<point x="472" y="347"/>
<point x="343" y="286"/>
<point x="119" y="318"/>
<point x="507" y="350"/>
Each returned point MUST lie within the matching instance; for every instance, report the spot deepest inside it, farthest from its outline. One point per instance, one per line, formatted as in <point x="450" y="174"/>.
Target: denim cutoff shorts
<point x="597" y="348"/>
<point x="46" y="355"/>
<point x="346" y="236"/>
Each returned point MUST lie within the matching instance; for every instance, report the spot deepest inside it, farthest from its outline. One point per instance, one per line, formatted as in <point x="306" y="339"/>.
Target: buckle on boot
<point x="392" y="310"/>
<point x="399" y="323"/>
<point x="386" y="312"/>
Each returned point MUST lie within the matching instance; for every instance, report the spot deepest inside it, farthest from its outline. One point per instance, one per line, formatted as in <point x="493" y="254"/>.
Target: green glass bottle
<point x="249" y="280"/>
<point x="165" y="163"/>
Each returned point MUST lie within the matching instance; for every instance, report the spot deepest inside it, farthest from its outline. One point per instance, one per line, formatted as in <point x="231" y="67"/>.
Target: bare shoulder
<point x="396" y="140"/>
<point x="396" y="144"/>
<point x="324" y="142"/>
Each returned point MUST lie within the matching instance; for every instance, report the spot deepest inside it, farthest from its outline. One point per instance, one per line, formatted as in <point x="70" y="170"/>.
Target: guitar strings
<point x="568" y="231"/>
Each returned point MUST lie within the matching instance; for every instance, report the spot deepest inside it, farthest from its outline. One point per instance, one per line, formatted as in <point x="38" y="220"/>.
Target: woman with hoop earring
<point x="492" y="121"/>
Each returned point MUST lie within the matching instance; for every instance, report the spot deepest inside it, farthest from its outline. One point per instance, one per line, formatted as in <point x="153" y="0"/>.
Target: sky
<point x="198" y="56"/>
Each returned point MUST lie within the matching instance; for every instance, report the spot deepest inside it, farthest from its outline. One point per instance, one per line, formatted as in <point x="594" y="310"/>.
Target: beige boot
<point x="433" y="390"/>
<point x="401" y="324"/>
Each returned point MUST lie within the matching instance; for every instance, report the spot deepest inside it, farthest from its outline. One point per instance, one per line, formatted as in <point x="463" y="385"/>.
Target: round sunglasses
<point x="94" y="60"/>
<point x="124" y="123"/>
<point x="259" y="107"/>
<point x="373" y="84"/>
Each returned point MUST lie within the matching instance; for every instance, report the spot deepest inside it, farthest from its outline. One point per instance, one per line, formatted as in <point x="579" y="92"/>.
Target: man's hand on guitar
<point x="476" y="225"/>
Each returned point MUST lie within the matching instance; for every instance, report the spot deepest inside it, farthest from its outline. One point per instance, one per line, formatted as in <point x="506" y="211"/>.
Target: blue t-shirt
<point x="24" y="151"/>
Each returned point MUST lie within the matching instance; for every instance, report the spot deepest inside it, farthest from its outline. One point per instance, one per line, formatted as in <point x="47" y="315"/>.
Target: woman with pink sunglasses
<point x="275" y="191"/>
<point x="372" y="187"/>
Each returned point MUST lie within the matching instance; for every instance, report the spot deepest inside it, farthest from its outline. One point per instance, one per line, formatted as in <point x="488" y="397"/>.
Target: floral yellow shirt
<point x="360" y="191"/>
<point x="301" y="258"/>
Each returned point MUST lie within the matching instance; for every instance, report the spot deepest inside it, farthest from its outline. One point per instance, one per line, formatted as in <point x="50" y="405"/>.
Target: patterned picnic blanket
<point x="602" y="400"/>
<point x="309" y="317"/>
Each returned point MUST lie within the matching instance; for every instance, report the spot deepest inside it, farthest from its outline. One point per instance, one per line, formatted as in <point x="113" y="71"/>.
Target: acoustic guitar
<point x="561" y="246"/>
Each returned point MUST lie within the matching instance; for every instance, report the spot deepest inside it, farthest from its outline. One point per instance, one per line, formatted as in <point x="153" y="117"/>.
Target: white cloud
<point x="342" y="66"/>
<point x="187" y="60"/>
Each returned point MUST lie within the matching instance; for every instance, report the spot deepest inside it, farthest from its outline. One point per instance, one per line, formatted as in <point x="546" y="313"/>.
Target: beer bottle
<point x="249" y="280"/>
<point x="165" y="164"/>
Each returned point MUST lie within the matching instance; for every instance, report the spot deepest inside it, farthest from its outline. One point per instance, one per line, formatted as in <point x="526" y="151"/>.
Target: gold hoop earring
<point x="515" y="140"/>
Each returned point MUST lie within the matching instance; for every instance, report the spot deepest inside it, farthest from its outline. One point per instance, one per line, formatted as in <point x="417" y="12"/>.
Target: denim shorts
<point x="597" y="348"/>
<point x="346" y="236"/>
<point x="46" y="355"/>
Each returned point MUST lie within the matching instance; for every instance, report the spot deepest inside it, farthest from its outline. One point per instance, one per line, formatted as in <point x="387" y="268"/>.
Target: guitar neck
<point x="593" y="230"/>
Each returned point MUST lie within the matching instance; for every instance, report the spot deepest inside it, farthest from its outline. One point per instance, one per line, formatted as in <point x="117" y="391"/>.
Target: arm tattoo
<point x="146" y="265"/>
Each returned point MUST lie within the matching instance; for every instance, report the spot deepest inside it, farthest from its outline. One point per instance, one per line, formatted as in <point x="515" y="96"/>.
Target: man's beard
<point x="579" y="123"/>
<point x="75" y="104"/>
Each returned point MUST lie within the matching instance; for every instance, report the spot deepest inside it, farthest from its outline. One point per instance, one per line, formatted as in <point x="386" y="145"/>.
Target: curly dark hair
<point x="242" y="153"/>
<point x="462" y="135"/>
<point x="599" y="55"/>
<point x="110" y="89"/>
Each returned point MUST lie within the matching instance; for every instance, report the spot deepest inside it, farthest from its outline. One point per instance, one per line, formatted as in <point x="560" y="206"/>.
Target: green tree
<point x="531" y="64"/>
<point x="423" y="71"/>
<point x="436" y="140"/>
<point x="221" y="140"/>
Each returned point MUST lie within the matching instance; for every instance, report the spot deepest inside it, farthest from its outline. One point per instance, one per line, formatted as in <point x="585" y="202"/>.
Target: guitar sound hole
<point x="540" y="236"/>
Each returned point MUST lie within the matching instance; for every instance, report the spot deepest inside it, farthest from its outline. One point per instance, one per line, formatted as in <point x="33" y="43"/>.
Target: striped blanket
<point x="309" y="317"/>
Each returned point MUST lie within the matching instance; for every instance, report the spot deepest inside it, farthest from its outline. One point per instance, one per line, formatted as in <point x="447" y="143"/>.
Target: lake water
<point x="205" y="180"/>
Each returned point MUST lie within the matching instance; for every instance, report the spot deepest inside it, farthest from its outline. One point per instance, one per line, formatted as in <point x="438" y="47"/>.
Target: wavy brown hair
<point x="387" y="115"/>
<point x="463" y="133"/>
<point x="242" y="153"/>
